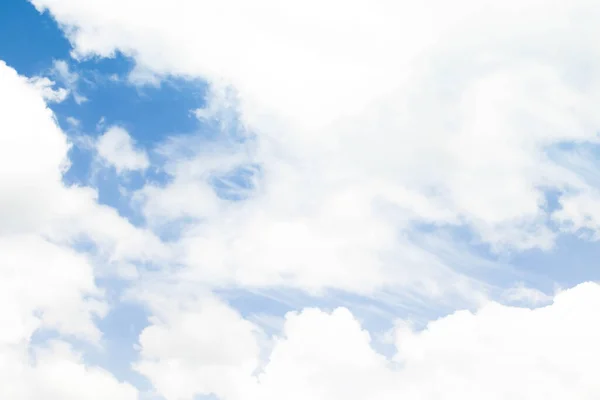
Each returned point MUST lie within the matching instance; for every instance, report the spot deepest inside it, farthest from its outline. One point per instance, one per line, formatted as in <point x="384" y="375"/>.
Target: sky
<point x="325" y="200"/>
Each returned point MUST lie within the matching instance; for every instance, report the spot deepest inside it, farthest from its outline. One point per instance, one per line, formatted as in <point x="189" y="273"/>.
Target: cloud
<point x="116" y="148"/>
<point x="497" y="352"/>
<point x="185" y="337"/>
<point x="70" y="79"/>
<point x="55" y="282"/>
<point x="58" y="374"/>
<point x="367" y="120"/>
<point x="45" y="87"/>
<point x="372" y="129"/>
<point x="46" y="284"/>
<point x="61" y="74"/>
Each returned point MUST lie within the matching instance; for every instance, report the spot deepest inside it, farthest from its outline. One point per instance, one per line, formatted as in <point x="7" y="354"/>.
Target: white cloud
<point x="61" y="74"/>
<point x="61" y="68"/>
<point x="499" y="352"/>
<point x="30" y="162"/>
<point x="46" y="285"/>
<point x="69" y="79"/>
<point x="53" y="281"/>
<point x="521" y="293"/>
<point x="579" y="213"/>
<point x="45" y="87"/>
<point x="58" y="374"/>
<point x="370" y="118"/>
<point x="186" y="337"/>
<point x="116" y="148"/>
<point x="33" y="156"/>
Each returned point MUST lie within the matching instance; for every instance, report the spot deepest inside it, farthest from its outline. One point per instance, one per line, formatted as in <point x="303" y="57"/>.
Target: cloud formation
<point x="116" y="148"/>
<point x="498" y="352"/>
<point x="359" y="143"/>
<point x="367" y="119"/>
<point x="45" y="285"/>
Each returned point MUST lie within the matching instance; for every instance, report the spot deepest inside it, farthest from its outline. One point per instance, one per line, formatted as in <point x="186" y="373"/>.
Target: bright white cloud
<point x="499" y="352"/>
<point x="45" y="87"/>
<point x="116" y="148"/>
<point x="370" y="118"/>
<point x="33" y="156"/>
<point x="53" y="281"/>
<point x="58" y="374"/>
<point x="364" y="121"/>
<point x="185" y="337"/>
<point x="44" y="283"/>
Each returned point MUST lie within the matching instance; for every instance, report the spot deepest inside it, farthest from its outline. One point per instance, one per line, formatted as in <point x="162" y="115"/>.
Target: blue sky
<point x="150" y="113"/>
<point x="275" y="202"/>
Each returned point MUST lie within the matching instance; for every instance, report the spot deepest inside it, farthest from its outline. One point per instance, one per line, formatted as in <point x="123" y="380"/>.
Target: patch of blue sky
<point x="551" y="201"/>
<point x="377" y="314"/>
<point x="237" y="184"/>
<point x="581" y="158"/>
<point x="150" y="114"/>
<point x="574" y="257"/>
<point x="116" y="351"/>
<point x="121" y="329"/>
<point x="30" y="41"/>
<point x="569" y="263"/>
<point x="153" y="114"/>
<point x="460" y="248"/>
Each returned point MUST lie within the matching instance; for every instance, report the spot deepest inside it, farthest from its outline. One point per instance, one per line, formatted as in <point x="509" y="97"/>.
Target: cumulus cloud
<point x="523" y="294"/>
<point x="497" y="352"/>
<point x="116" y="148"/>
<point x="186" y="337"/>
<point x="58" y="373"/>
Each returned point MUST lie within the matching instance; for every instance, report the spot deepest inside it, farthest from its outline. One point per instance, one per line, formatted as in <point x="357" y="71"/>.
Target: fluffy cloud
<point x="116" y="148"/>
<point x="497" y="352"/>
<point x="367" y="119"/>
<point x="45" y="285"/>
<point x="209" y="349"/>
<point x="58" y="373"/>
<point x="33" y="157"/>
<point x="368" y="127"/>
